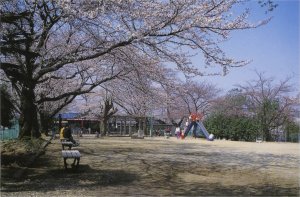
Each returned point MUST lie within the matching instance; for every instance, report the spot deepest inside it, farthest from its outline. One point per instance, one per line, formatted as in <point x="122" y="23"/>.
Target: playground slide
<point x="204" y="131"/>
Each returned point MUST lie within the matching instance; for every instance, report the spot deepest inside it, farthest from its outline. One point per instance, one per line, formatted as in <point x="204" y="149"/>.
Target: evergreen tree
<point x="7" y="108"/>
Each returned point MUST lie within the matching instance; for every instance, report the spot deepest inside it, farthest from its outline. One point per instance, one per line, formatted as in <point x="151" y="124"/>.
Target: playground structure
<point x="197" y="126"/>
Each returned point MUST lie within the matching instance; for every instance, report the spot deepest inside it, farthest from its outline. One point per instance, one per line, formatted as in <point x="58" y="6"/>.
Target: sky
<point x="273" y="48"/>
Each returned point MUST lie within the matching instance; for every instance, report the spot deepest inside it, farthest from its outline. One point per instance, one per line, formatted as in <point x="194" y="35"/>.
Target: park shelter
<point x="118" y="125"/>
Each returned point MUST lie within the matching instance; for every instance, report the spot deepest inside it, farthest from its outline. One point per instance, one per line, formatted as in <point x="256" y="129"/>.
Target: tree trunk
<point x="45" y="122"/>
<point x="140" y="131"/>
<point x="267" y="135"/>
<point x="29" y="126"/>
<point x="108" y="112"/>
<point x="104" y="126"/>
<point x="145" y="126"/>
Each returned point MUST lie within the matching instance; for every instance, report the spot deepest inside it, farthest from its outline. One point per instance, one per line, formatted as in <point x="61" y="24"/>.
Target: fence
<point x="10" y="133"/>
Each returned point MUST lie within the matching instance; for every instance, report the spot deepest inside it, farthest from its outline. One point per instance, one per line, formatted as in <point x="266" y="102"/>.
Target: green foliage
<point x="7" y="108"/>
<point x="293" y="131"/>
<point x="269" y="117"/>
<point x="232" y="127"/>
<point x="230" y="120"/>
<point x="94" y="126"/>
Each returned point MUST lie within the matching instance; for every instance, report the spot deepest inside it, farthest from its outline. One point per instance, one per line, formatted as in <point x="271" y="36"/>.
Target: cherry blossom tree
<point x="45" y="41"/>
<point x="198" y="96"/>
<point x="231" y="104"/>
<point x="189" y="97"/>
<point x="100" y="104"/>
<point x="138" y="94"/>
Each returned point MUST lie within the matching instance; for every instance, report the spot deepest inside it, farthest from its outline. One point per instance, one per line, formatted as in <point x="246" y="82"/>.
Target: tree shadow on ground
<point x="20" y="159"/>
<point x="181" y="170"/>
<point x="84" y="177"/>
<point x="216" y="189"/>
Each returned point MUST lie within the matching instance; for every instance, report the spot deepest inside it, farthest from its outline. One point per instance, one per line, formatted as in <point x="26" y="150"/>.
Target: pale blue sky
<point x="273" y="48"/>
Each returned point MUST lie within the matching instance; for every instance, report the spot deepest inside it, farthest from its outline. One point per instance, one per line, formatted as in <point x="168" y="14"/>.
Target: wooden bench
<point x="71" y="154"/>
<point x="66" y="143"/>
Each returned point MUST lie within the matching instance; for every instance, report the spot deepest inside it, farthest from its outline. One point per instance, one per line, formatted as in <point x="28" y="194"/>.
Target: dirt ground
<point x="121" y="166"/>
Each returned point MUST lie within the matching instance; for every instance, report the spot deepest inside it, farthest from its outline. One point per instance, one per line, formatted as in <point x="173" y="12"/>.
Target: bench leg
<point x="74" y="164"/>
<point x="77" y="164"/>
<point x="65" y="163"/>
<point x="78" y="159"/>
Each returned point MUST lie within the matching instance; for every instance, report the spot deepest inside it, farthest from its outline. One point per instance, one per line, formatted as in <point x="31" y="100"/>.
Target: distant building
<point x="123" y="125"/>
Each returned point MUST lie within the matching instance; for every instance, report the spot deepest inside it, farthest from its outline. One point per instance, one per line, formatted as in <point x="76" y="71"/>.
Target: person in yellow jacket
<point x="61" y="134"/>
<point x="66" y="134"/>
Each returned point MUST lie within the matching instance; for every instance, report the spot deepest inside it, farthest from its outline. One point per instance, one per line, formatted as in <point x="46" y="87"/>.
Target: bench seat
<point x="71" y="154"/>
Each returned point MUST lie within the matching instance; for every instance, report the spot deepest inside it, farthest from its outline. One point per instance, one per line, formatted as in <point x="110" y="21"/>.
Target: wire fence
<point x="10" y="133"/>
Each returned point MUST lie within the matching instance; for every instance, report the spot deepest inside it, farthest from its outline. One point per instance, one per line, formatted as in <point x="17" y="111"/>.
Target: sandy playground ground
<point x="121" y="166"/>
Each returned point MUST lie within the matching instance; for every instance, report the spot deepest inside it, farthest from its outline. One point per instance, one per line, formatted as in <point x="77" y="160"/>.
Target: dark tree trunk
<point x="177" y="124"/>
<point x="44" y="118"/>
<point x="104" y="126"/>
<point x="265" y="128"/>
<point x="108" y="112"/>
<point x="267" y="135"/>
<point x="45" y="123"/>
<point x="145" y="126"/>
<point x="29" y="126"/>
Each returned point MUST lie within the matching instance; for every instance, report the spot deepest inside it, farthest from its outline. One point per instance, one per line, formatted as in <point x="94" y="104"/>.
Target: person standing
<point x="177" y="132"/>
<point x="53" y="133"/>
